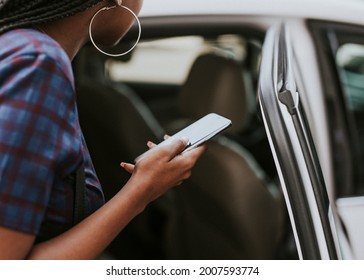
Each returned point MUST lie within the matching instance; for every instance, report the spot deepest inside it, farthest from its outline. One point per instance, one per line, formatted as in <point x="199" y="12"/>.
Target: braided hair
<point x="24" y="13"/>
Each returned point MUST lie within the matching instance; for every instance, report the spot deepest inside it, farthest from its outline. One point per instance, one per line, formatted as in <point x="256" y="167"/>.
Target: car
<point x="285" y="181"/>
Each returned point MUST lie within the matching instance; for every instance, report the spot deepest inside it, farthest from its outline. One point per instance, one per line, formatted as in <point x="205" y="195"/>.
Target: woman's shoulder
<point x="35" y="47"/>
<point x="27" y="41"/>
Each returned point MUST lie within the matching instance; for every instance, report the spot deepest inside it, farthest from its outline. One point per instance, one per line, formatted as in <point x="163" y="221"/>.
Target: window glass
<point x="167" y="61"/>
<point x="350" y="59"/>
<point x="350" y="62"/>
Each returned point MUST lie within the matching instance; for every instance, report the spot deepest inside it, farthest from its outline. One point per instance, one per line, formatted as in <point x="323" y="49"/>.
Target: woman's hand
<point x="130" y="167"/>
<point x="164" y="167"/>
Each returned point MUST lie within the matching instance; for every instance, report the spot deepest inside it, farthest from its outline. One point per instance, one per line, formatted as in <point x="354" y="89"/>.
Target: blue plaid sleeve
<point x="37" y="137"/>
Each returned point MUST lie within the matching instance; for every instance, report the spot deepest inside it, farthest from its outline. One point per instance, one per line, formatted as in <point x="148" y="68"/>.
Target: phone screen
<point x="203" y="129"/>
<point x="199" y="131"/>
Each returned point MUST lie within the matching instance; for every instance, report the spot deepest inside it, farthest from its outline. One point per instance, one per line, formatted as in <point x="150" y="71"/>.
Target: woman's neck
<point x="71" y="32"/>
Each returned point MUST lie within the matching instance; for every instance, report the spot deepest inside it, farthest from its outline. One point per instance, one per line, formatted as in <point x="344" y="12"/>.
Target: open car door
<point x="311" y="216"/>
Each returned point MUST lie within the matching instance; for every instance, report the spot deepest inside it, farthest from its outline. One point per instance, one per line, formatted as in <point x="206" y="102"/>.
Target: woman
<point x="41" y="144"/>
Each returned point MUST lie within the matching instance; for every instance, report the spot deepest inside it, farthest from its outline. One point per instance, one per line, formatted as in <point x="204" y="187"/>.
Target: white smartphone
<point x="199" y="132"/>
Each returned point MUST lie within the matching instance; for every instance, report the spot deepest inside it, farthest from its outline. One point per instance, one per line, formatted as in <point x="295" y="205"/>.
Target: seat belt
<point x="79" y="195"/>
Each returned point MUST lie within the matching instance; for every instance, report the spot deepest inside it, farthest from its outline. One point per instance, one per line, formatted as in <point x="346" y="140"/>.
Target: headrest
<point x="216" y="84"/>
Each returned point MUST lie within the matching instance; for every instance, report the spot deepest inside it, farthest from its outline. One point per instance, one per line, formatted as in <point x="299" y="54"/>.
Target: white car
<point x="286" y="182"/>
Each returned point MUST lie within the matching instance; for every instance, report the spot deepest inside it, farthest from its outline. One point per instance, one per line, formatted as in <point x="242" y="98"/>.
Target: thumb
<point x="177" y="146"/>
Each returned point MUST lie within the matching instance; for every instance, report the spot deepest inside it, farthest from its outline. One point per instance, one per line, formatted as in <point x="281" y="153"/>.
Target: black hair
<point x="26" y="13"/>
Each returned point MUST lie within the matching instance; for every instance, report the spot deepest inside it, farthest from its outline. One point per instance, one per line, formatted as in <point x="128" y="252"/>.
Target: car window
<point x="168" y="60"/>
<point x="349" y="58"/>
<point x="340" y="49"/>
<point x="348" y="55"/>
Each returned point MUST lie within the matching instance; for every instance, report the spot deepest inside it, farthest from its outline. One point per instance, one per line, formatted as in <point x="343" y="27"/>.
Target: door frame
<point x="303" y="186"/>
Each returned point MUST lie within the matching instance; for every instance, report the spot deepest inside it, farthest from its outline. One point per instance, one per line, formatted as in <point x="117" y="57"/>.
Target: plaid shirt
<point x="41" y="142"/>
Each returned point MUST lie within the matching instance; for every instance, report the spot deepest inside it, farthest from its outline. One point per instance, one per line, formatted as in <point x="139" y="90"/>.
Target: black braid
<point x="24" y="13"/>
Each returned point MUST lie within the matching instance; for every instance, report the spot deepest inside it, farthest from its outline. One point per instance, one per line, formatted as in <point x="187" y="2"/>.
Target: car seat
<point x="117" y="125"/>
<point x="227" y="209"/>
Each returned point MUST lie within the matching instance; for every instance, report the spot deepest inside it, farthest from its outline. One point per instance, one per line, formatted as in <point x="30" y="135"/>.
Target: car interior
<point x="232" y="206"/>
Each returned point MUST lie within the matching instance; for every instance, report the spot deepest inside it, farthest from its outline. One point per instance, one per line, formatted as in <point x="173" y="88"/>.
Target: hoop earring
<point x="108" y="8"/>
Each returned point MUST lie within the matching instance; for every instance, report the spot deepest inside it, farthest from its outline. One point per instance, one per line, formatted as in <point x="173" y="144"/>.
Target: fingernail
<point x="123" y="164"/>
<point x="185" y="140"/>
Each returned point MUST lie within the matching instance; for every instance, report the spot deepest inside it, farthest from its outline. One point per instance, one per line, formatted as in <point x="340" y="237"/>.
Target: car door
<point x="313" y="221"/>
<point x="340" y="53"/>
